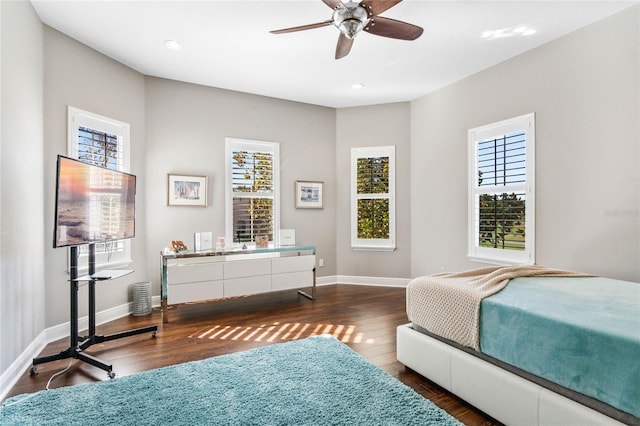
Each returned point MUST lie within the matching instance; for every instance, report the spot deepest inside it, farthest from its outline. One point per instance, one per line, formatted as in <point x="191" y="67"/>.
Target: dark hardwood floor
<point x="363" y="317"/>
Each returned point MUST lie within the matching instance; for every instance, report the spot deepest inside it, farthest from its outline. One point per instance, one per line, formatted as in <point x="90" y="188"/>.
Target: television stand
<point x="80" y="343"/>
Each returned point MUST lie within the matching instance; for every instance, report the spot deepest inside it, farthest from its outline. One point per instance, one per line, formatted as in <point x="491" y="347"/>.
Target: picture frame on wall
<point x="186" y="190"/>
<point x="308" y="194"/>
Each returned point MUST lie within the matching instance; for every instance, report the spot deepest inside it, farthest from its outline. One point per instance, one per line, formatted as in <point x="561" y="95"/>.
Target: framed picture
<point x="308" y="194"/>
<point x="185" y="190"/>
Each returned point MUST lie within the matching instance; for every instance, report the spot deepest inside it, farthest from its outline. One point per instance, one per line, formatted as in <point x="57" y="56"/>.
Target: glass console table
<point x="215" y="274"/>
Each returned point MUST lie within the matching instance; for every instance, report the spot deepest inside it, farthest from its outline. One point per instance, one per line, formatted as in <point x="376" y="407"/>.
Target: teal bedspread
<point x="581" y="333"/>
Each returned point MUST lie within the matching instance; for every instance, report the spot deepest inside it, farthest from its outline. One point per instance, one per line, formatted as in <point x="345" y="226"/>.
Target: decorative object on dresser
<point x="202" y="241"/>
<point x="262" y="241"/>
<point x="185" y="190"/>
<point x="201" y="276"/>
<point x="287" y="237"/>
<point x="175" y="246"/>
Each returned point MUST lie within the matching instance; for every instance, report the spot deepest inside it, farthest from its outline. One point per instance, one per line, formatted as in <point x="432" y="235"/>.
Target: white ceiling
<point x="227" y="44"/>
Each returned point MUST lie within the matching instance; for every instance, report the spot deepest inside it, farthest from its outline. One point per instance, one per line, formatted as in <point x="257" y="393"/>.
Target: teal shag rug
<point x="314" y="381"/>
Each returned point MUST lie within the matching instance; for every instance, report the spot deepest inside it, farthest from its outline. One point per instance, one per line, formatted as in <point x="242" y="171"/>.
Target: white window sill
<point x="498" y="261"/>
<point x="83" y="270"/>
<point x="365" y="248"/>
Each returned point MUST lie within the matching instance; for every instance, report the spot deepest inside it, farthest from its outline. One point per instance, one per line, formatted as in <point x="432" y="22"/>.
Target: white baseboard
<point x="357" y="280"/>
<point x="10" y="377"/>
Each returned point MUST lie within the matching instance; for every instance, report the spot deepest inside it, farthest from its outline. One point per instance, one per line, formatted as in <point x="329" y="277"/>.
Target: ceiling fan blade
<point x="333" y="4"/>
<point x="344" y="46"/>
<point x="387" y="27"/>
<point x="302" y="27"/>
<point x="375" y="7"/>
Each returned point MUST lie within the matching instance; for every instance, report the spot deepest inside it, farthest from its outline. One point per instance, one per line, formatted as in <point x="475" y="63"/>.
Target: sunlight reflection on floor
<point x="278" y="331"/>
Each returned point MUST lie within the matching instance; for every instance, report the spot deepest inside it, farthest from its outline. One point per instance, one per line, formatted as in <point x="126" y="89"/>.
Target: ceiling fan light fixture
<point x="350" y="20"/>
<point x="351" y="27"/>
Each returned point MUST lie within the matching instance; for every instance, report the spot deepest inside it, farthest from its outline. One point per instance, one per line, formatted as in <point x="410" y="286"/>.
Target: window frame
<point x="79" y="118"/>
<point x="496" y="130"/>
<point x="373" y="244"/>
<point x="236" y="144"/>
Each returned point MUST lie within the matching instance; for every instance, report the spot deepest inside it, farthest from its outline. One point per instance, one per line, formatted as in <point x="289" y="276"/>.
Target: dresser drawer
<point x="193" y="292"/>
<point x="247" y="268"/>
<point x="291" y="280"/>
<point x="194" y="273"/>
<point x="247" y="285"/>
<point x="281" y="265"/>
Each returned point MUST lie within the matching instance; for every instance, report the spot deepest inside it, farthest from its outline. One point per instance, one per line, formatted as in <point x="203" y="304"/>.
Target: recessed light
<point x="487" y="34"/>
<point x="507" y="32"/>
<point x="357" y="86"/>
<point x="173" y="45"/>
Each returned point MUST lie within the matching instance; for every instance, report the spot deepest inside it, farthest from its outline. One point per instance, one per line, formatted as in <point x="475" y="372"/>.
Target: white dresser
<point x="199" y="276"/>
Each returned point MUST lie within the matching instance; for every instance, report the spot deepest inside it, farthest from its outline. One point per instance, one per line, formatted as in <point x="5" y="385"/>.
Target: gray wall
<point x="584" y="89"/>
<point x="81" y="77"/>
<point x="186" y="129"/>
<point x="378" y="125"/>
<point x="22" y="283"/>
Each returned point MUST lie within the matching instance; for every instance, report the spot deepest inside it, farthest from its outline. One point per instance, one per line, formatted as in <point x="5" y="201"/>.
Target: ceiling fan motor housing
<point x="351" y="19"/>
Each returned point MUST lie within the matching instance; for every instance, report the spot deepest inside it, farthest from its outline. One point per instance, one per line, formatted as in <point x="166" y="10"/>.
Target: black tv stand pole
<point x="78" y="343"/>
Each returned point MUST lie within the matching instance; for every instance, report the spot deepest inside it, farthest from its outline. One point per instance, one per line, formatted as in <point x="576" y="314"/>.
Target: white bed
<point x="501" y="394"/>
<point x="550" y="348"/>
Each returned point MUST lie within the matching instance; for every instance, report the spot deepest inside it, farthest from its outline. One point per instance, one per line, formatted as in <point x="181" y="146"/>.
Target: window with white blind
<point x="252" y="191"/>
<point x="104" y="142"/>
<point x="373" y="198"/>
<point x="501" y="191"/>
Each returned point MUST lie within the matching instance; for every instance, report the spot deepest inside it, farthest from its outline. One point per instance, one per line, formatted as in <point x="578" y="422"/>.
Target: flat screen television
<point x="93" y="204"/>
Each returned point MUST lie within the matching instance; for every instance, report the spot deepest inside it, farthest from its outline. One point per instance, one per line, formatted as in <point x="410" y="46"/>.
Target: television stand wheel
<point x="111" y="374"/>
<point x="33" y="371"/>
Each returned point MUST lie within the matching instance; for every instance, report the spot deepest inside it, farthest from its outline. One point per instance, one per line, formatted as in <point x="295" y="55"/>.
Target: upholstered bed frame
<point x="502" y="394"/>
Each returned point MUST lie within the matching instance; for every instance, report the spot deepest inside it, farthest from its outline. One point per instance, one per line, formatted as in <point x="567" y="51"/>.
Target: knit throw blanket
<point x="448" y="304"/>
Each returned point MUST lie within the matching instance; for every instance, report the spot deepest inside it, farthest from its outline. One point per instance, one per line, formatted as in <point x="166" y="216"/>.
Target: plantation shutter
<point x="501" y="183"/>
<point x="501" y="168"/>
<point x="103" y="142"/>
<point x="373" y="198"/>
<point x="100" y="148"/>
<point x="252" y="182"/>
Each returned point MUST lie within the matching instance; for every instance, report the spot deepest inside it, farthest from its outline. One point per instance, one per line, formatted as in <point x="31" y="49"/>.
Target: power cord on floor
<point x="57" y="374"/>
<point x="46" y="387"/>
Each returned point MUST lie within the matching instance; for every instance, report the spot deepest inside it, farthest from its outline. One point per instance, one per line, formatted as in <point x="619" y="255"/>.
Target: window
<point x="104" y="142"/>
<point x="252" y="190"/>
<point x="501" y="191"/>
<point x="373" y="198"/>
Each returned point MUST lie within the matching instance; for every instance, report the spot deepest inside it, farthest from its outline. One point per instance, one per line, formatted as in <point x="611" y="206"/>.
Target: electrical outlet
<point x="321" y="262"/>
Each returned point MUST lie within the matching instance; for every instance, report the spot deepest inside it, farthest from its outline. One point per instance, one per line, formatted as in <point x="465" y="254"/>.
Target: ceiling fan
<point x="351" y="18"/>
